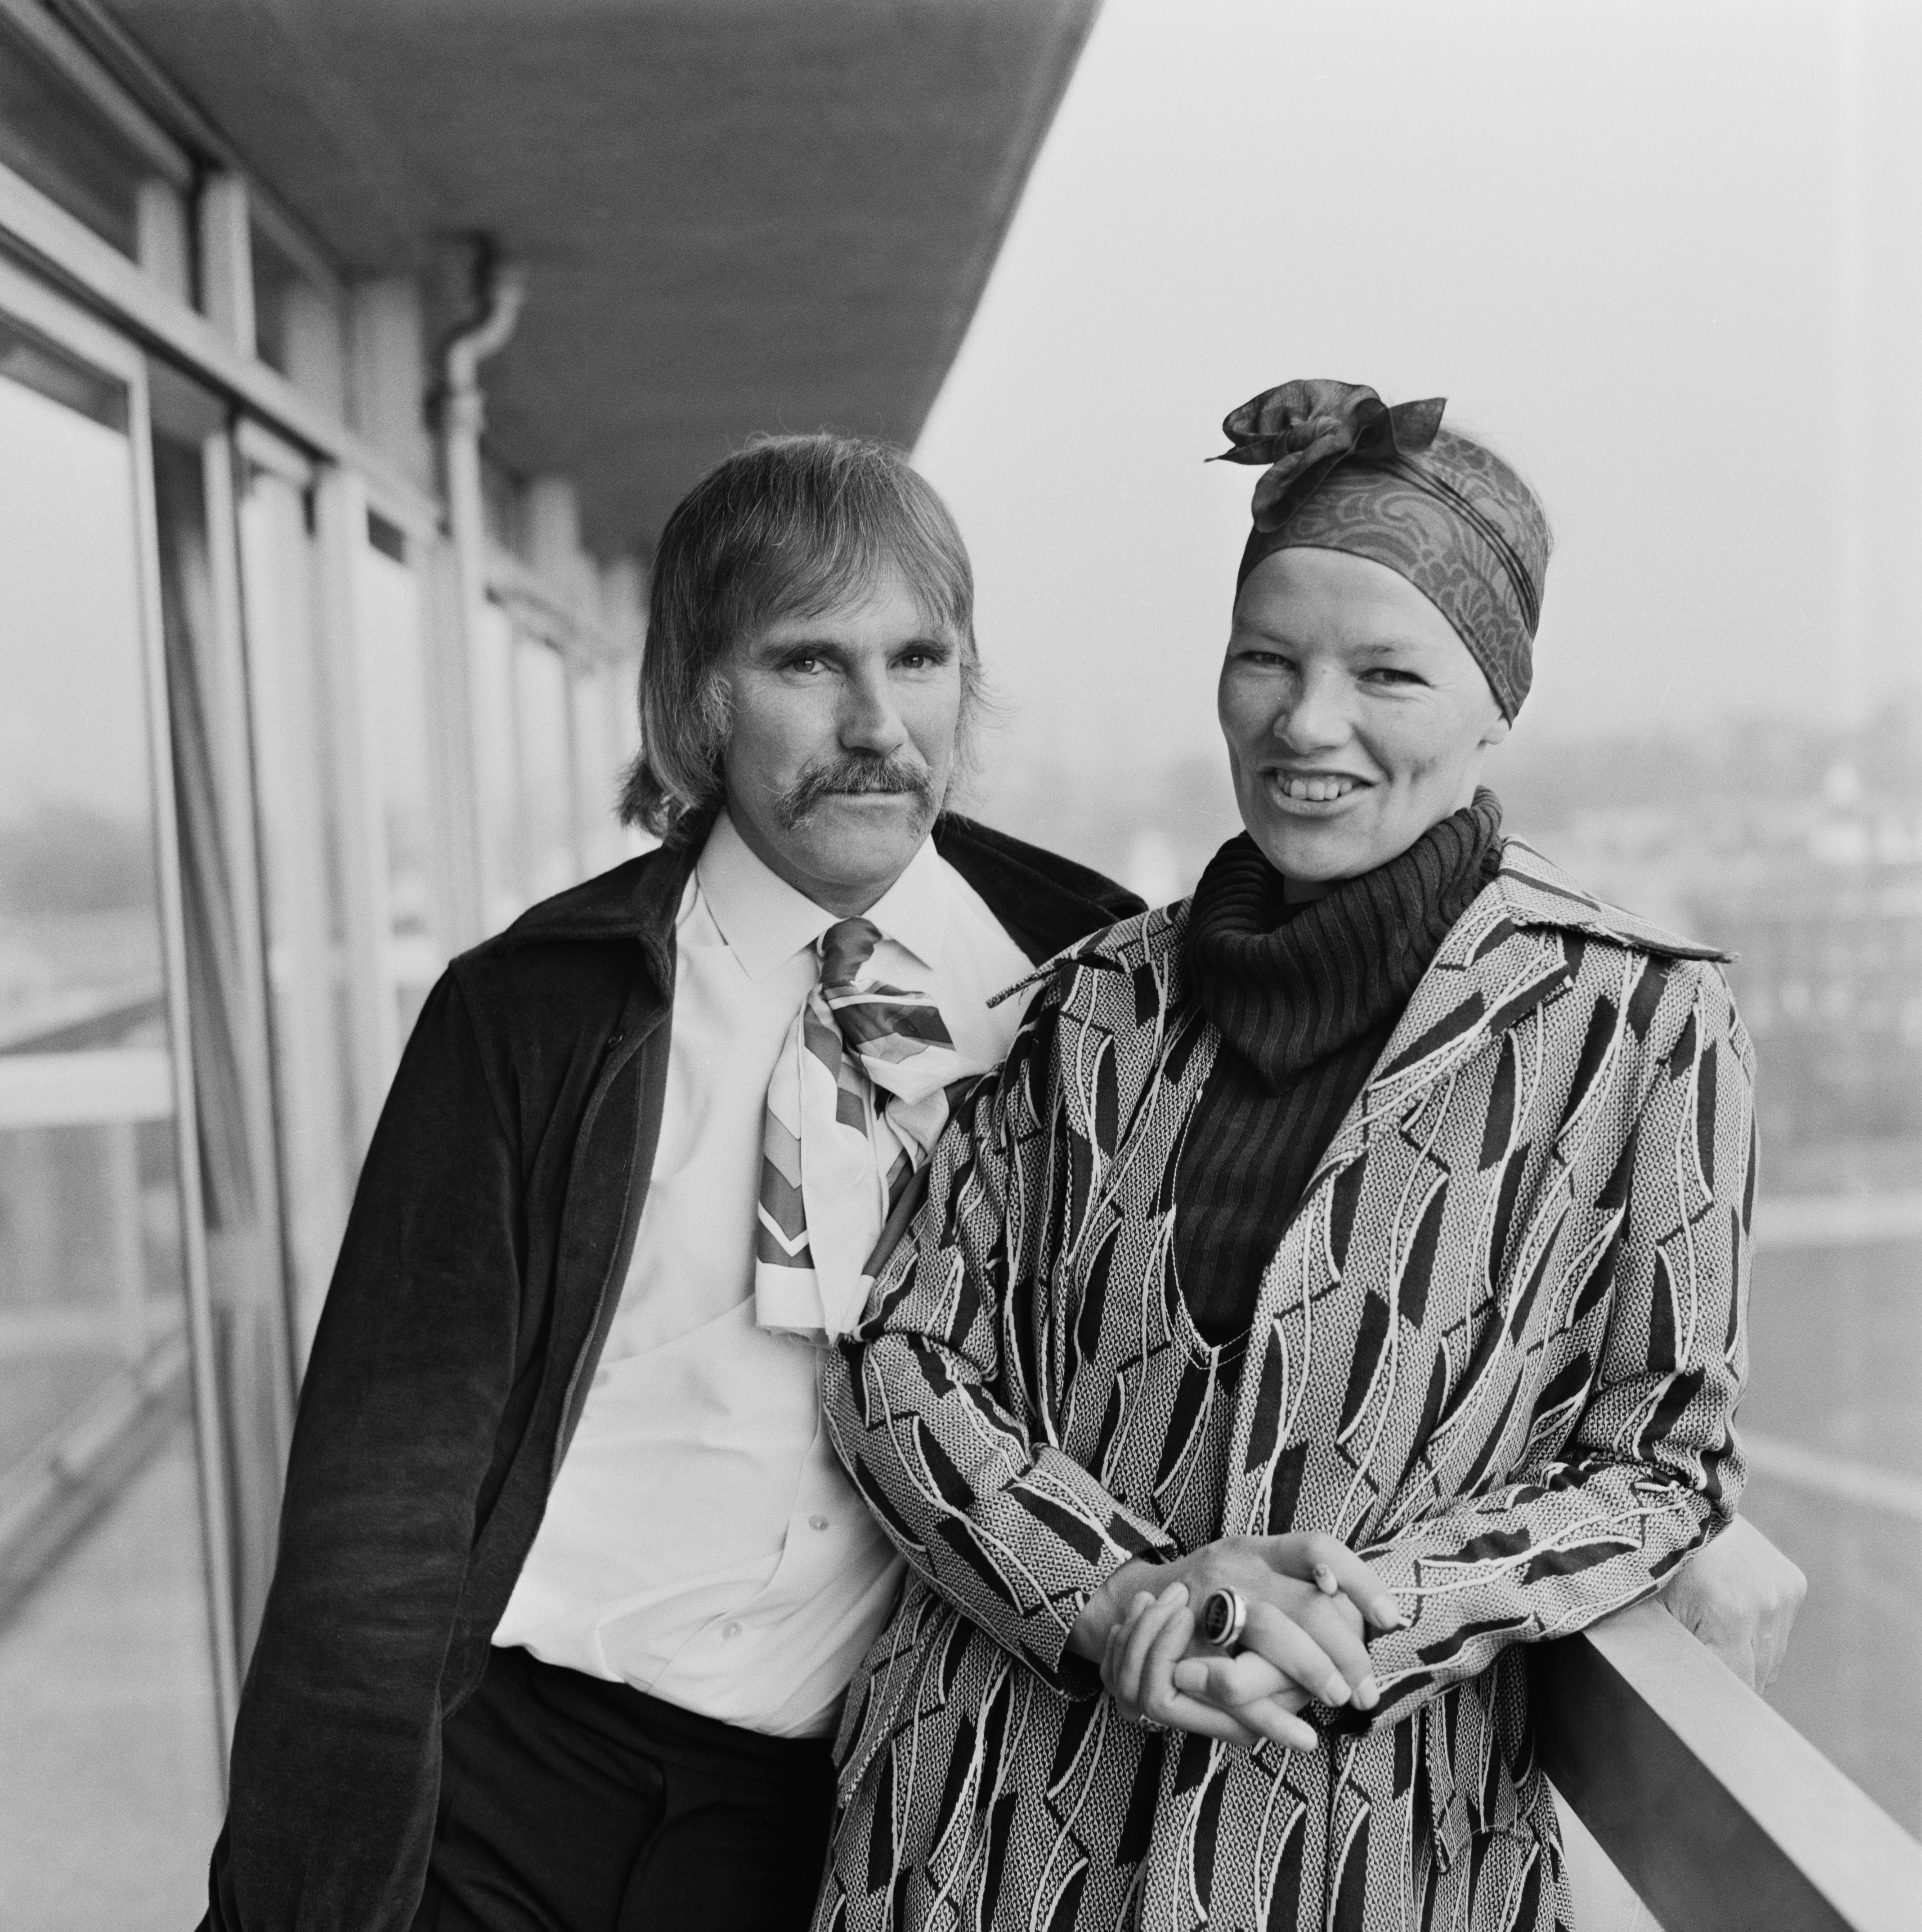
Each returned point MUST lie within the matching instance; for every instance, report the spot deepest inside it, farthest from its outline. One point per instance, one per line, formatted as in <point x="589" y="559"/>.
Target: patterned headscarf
<point x="1349" y="472"/>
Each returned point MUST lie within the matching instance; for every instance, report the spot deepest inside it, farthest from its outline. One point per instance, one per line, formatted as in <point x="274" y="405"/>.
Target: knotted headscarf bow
<point x="1348" y="472"/>
<point x="1302" y="430"/>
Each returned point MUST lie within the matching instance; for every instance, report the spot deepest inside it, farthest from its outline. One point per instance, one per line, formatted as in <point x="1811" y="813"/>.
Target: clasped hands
<point x="1311" y="1603"/>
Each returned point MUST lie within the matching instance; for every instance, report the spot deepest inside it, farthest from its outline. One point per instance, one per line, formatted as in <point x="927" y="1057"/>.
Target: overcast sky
<point x="1662" y="256"/>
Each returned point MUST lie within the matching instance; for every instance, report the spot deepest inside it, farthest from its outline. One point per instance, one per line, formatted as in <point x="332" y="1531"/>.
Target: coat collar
<point x="637" y="902"/>
<point x="1520" y="943"/>
<point x="1538" y="892"/>
<point x="1045" y="902"/>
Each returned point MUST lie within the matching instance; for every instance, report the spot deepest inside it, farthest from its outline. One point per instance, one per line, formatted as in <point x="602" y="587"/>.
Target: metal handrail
<point x="1719" y="1813"/>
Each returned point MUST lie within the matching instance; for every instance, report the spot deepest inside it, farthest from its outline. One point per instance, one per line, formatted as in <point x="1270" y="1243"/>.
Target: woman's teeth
<point x="1319" y="790"/>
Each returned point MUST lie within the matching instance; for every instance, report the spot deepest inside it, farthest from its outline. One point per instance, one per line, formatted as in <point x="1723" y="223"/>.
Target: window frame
<point x="47" y="313"/>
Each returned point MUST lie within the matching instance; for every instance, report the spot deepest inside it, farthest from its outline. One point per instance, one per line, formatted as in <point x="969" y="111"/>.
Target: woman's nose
<point x="1315" y="720"/>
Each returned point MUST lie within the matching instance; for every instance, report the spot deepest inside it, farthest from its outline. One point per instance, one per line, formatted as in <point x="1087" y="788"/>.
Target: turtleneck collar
<point x="1288" y="986"/>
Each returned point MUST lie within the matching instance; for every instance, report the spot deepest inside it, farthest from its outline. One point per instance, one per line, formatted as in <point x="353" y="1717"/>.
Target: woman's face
<point x="1354" y="716"/>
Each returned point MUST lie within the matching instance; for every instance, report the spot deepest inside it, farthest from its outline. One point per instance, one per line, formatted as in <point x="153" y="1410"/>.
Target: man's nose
<point x="869" y="720"/>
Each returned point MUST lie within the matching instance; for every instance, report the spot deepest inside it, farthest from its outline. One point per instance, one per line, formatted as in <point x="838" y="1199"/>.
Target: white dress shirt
<point x="702" y="1541"/>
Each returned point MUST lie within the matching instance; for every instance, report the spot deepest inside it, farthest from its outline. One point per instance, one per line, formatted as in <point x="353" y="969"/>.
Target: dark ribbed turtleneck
<point x="1305" y="996"/>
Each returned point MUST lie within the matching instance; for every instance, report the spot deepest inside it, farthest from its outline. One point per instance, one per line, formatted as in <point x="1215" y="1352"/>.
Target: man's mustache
<point x="854" y="776"/>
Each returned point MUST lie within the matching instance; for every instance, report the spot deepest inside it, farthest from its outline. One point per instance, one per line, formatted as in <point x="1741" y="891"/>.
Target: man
<point x="570" y="1581"/>
<point x="570" y="1584"/>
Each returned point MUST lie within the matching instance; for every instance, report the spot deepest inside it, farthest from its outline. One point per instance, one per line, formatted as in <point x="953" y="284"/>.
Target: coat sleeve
<point x="1652" y="1467"/>
<point x="337" y="1749"/>
<point x="929" y="1404"/>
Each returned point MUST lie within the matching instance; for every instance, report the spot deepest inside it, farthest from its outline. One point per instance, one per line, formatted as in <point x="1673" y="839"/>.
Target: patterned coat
<point x="1497" y="1351"/>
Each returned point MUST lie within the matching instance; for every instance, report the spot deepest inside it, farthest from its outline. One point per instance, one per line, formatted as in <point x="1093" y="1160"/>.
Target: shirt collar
<point x="765" y="921"/>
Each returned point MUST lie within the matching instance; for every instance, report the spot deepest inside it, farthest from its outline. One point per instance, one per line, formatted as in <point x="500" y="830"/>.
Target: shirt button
<point x="817" y="1522"/>
<point x="729" y="1632"/>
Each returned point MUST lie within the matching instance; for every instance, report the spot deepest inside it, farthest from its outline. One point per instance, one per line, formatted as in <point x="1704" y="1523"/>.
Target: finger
<point x="1273" y="1634"/>
<point x="1139" y="1638"/>
<point x="1272" y="1720"/>
<point x="1353" y="1575"/>
<point x="1114" y="1650"/>
<point x="1324" y="1620"/>
<point x="1188" y="1714"/>
<point x="1239" y="1679"/>
<point x="1131" y="1650"/>
<point x="1166" y="1648"/>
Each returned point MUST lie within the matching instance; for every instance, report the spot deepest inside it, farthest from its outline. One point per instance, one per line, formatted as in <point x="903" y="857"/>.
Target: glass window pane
<point x="299" y="328"/>
<point x="496" y="765"/>
<point x="550" y="860"/>
<point x="597" y="760"/>
<point x="306" y="948"/>
<point x="214" y="814"/>
<point x="392" y="641"/>
<point x="51" y="134"/>
<point x="109" y="1784"/>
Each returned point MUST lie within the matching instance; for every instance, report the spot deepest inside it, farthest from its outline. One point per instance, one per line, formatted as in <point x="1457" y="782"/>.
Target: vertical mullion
<point x="241" y="830"/>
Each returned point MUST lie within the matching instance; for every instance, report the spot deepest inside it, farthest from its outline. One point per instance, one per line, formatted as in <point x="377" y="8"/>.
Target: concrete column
<point x="387" y="381"/>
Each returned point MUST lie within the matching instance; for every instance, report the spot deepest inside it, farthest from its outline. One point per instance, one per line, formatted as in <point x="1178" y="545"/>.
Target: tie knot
<point x="846" y="947"/>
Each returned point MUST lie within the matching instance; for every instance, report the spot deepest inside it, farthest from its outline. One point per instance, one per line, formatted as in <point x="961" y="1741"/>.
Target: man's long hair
<point x="788" y="527"/>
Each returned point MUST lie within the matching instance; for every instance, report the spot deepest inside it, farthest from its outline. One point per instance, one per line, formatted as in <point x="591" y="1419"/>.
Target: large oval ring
<point x="1224" y="1618"/>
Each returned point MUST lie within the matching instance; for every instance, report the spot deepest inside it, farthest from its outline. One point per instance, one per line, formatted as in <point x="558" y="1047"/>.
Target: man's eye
<point x="1389" y="674"/>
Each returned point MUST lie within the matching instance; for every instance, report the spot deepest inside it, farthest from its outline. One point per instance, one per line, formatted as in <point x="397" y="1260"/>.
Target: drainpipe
<point x="500" y="288"/>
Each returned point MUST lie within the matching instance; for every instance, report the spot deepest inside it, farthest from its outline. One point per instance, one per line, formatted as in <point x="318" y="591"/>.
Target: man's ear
<point x="1498" y="729"/>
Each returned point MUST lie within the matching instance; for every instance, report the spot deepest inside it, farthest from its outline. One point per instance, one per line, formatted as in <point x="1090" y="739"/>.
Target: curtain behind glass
<point x="214" y="789"/>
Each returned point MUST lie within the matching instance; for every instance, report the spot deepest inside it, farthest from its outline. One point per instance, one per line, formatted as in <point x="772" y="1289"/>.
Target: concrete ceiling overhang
<point x="736" y="215"/>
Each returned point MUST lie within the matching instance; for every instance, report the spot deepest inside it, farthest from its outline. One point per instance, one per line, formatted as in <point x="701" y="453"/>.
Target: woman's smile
<point x="1314" y="794"/>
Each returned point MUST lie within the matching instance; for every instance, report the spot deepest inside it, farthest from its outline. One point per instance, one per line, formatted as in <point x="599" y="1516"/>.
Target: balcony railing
<point x="1721" y="1815"/>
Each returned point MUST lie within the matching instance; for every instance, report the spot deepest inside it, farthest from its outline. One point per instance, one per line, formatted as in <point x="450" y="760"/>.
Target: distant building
<point x="1827" y="930"/>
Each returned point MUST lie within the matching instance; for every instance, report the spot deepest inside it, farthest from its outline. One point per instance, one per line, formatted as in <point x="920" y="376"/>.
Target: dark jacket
<point x="490" y="1234"/>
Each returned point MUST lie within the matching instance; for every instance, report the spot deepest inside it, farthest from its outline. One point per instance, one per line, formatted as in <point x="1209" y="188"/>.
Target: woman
<point x="1346" y="1264"/>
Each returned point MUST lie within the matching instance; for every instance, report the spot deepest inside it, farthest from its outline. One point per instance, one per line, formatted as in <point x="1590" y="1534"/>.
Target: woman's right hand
<point x="1309" y="1598"/>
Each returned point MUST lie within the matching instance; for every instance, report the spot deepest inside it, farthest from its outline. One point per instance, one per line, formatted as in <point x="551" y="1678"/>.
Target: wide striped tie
<point x="832" y="1159"/>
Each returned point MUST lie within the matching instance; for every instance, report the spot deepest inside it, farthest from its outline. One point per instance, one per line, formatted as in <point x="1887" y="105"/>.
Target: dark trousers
<point x="567" y="1805"/>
